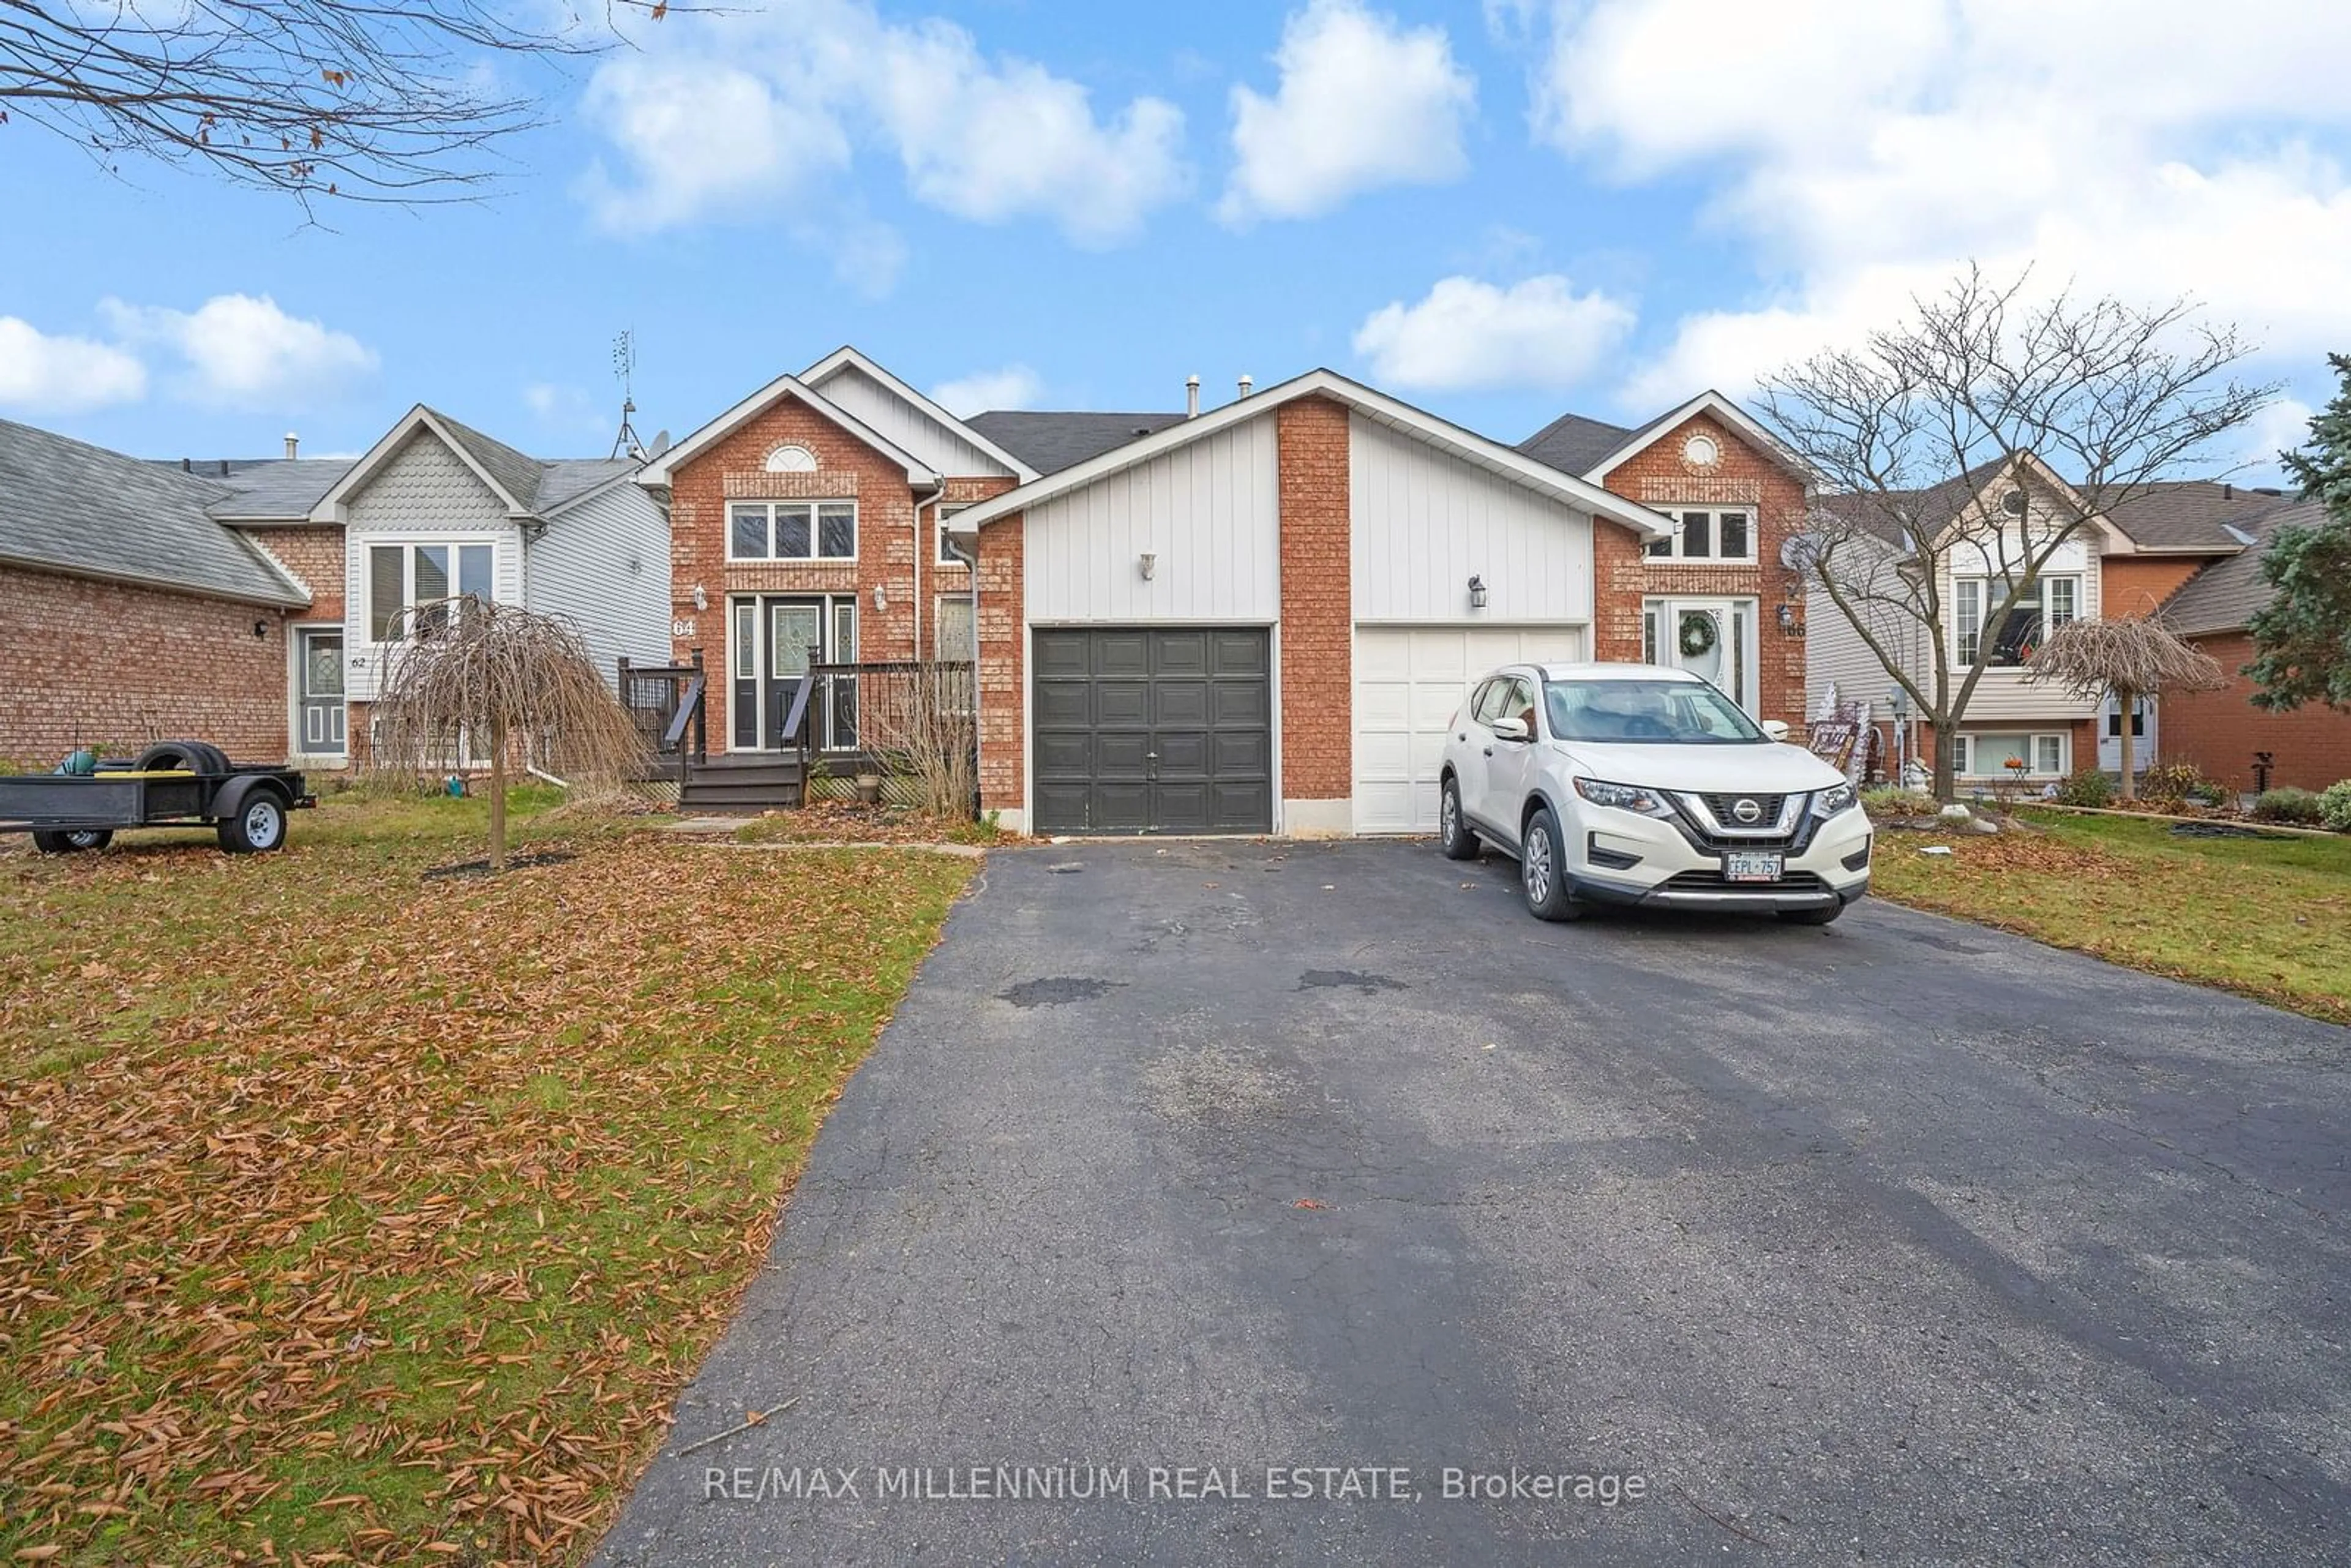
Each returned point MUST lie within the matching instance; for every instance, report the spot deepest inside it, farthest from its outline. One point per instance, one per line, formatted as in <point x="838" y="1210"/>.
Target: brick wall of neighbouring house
<point x="2220" y="731"/>
<point x="101" y="664"/>
<point x="1659" y="475"/>
<point x="2131" y="586"/>
<point x="1317" y="600"/>
<point x="847" y="469"/>
<point x="315" y="555"/>
<point x="1003" y="665"/>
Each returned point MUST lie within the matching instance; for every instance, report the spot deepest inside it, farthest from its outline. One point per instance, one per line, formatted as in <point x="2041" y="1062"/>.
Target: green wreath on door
<point x="1697" y="634"/>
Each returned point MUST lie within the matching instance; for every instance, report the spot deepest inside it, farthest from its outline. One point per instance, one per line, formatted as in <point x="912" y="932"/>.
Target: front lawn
<point x="347" y="1211"/>
<point x="2270" y="917"/>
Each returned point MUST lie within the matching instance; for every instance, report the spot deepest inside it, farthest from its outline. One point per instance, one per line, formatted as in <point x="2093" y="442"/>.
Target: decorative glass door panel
<point x="795" y="641"/>
<point x="323" y="715"/>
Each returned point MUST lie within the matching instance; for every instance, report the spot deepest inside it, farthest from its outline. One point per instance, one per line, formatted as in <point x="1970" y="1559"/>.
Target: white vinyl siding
<point x="940" y="448"/>
<point x="1427" y="521"/>
<point x="1206" y="512"/>
<point x="604" y="565"/>
<point x="1409" y="680"/>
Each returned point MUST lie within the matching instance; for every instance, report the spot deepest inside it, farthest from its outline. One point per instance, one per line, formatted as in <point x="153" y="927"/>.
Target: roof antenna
<point x="624" y="368"/>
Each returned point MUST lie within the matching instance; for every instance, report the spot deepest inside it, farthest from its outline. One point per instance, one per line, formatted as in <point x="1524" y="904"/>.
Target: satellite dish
<point x="661" y="443"/>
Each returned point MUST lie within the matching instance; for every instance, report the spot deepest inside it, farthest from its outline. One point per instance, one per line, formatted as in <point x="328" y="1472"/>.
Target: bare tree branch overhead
<point x="1966" y="447"/>
<point x="374" y="100"/>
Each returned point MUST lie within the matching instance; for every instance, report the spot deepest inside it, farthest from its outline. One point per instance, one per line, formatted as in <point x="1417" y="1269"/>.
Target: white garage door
<point x="1408" y="682"/>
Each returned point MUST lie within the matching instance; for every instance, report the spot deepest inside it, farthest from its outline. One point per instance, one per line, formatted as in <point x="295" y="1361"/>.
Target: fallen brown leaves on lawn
<point x="346" y="1215"/>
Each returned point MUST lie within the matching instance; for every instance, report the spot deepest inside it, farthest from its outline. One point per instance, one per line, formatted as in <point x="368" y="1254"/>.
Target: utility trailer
<point x="178" y="783"/>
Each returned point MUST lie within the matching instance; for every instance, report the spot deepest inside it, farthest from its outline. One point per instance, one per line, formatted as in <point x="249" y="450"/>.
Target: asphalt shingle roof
<point x="277" y="488"/>
<point x="1574" y="445"/>
<point x="2224" y="594"/>
<point x="565" y="480"/>
<point x="81" y="509"/>
<point x="518" y="475"/>
<point x="1049" y="442"/>
<point x="2186" y="515"/>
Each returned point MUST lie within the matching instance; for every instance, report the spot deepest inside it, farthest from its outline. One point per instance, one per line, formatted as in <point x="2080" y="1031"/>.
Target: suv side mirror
<point x="1776" y="729"/>
<point x="1511" y="729"/>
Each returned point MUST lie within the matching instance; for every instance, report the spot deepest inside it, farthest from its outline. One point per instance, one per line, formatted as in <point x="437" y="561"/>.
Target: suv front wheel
<point x="1455" y="837"/>
<point x="1542" y="870"/>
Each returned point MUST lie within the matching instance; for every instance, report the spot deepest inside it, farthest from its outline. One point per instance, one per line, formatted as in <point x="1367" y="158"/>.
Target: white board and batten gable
<point x="1430" y="504"/>
<point x="916" y="423"/>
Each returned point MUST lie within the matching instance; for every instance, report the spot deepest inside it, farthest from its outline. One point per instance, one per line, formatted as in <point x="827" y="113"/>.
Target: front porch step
<point x="743" y="787"/>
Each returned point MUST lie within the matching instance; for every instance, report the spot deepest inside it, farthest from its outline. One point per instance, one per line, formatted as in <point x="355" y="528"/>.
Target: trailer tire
<point x="73" y="841"/>
<point x="258" y="826"/>
<point x="194" y="756"/>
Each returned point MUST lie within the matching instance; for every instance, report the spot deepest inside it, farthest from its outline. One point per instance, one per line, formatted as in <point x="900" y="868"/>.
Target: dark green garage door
<point x="1153" y="730"/>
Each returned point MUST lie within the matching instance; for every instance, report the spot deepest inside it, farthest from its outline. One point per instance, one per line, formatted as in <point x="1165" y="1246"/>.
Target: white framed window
<point x="1707" y="533"/>
<point x="1987" y="755"/>
<point x="1649" y="614"/>
<point x="949" y="509"/>
<point x="403" y="577"/>
<point x="2038" y="610"/>
<point x="791" y="530"/>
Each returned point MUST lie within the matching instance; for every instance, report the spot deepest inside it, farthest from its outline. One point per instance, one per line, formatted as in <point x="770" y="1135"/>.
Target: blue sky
<point x="1499" y="212"/>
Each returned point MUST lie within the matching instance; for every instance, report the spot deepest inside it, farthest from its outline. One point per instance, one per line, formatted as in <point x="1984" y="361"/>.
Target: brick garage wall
<point x="2220" y="731"/>
<point x="102" y="664"/>
<point x="1618" y="581"/>
<point x="1317" y="599"/>
<point x="315" y="555"/>
<point x="735" y="469"/>
<point x="2132" y="586"/>
<point x="1658" y="475"/>
<point x="1003" y="665"/>
<point x="951" y="579"/>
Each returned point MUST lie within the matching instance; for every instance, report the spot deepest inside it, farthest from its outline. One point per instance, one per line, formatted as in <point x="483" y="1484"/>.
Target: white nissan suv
<point x="1634" y="784"/>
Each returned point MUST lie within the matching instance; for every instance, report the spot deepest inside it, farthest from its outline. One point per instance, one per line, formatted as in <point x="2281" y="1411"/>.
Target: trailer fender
<point x="233" y="795"/>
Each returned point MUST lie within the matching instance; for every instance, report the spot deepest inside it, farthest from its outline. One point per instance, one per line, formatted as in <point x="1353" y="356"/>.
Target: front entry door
<point x="2110" y="735"/>
<point x="320" y="655"/>
<point x="795" y="641"/>
<point x="1713" y="638"/>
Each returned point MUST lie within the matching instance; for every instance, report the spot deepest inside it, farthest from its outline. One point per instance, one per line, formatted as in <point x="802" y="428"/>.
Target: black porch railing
<point x="666" y="702"/>
<point x="912" y="724"/>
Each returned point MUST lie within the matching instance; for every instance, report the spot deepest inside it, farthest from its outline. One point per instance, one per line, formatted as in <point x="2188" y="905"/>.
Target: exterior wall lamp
<point x="1787" y="618"/>
<point x="1477" y="593"/>
<point x="1147" y="563"/>
<point x="881" y="600"/>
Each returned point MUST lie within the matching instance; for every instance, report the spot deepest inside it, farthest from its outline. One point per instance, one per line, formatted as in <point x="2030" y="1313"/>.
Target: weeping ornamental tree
<point x="2132" y="659"/>
<point x="465" y="678"/>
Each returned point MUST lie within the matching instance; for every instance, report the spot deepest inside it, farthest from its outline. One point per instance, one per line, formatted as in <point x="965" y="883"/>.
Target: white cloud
<point x="760" y="109"/>
<point x="244" y="353"/>
<point x="701" y="138"/>
<point x="1013" y="386"/>
<point x="1468" y="334"/>
<point x="1363" y="102"/>
<point x="1864" y="151"/>
<point x="560" y="407"/>
<point x="44" y="374"/>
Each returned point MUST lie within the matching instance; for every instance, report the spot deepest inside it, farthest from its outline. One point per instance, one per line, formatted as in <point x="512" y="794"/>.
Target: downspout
<point x="978" y="703"/>
<point x="938" y="494"/>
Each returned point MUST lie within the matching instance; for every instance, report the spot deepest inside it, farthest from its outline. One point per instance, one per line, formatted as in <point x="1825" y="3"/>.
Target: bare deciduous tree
<point x="461" y="675"/>
<point x="1959" y="453"/>
<point x="388" y="101"/>
<point x="2131" y="658"/>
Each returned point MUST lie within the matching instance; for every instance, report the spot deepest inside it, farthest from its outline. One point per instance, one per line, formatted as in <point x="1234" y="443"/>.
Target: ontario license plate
<point x="1753" y="866"/>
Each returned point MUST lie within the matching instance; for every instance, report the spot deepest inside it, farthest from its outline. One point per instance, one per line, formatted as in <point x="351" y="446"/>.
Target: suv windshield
<point x="1650" y="713"/>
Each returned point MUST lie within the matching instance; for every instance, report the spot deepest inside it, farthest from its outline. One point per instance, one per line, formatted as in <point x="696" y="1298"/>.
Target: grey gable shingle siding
<point x="68" y="507"/>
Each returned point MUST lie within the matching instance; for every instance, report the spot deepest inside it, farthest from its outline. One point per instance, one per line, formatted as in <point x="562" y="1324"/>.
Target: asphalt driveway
<point x="1893" y="1241"/>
